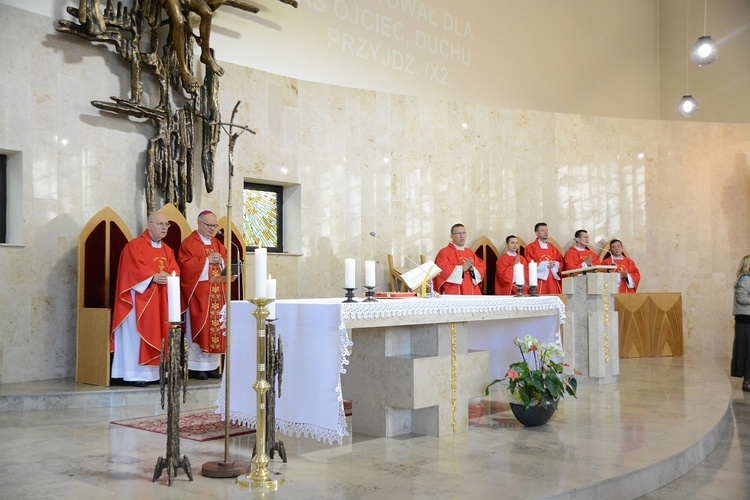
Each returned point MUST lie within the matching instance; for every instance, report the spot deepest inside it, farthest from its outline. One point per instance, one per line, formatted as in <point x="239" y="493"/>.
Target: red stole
<point x="205" y="299"/>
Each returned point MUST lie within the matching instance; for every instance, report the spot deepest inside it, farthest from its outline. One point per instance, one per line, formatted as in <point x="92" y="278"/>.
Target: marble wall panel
<point x="676" y="193"/>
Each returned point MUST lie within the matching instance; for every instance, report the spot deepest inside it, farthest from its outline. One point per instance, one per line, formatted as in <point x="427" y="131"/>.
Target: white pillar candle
<point x="533" y="280"/>
<point x="173" y="298"/>
<point x="518" y="278"/>
<point x="261" y="265"/>
<point x="349" y="273"/>
<point x="369" y="273"/>
<point x="271" y="288"/>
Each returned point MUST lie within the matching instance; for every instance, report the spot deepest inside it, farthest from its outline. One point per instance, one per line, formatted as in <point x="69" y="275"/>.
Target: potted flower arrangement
<point x="536" y="391"/>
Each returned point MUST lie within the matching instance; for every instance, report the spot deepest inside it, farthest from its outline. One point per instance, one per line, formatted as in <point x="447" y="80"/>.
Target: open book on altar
<point x="416" y="276"/>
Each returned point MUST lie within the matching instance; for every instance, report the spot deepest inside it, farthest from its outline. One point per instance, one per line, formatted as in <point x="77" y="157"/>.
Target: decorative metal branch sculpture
<point x="182" y="99"/>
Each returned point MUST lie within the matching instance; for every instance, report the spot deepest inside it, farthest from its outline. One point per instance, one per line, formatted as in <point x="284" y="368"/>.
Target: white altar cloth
<point x="316" y="345"/>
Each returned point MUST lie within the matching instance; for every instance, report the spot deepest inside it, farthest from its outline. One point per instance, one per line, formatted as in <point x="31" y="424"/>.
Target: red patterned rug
<point x="197" y="425"/>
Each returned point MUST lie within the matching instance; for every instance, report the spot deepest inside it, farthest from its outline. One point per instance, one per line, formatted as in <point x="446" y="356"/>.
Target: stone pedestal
<point x="400" y="379"/>
<point x="590" y="338"/>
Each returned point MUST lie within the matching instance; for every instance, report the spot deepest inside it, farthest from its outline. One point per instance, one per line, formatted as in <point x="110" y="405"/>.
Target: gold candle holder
<point x="260" y="477"/>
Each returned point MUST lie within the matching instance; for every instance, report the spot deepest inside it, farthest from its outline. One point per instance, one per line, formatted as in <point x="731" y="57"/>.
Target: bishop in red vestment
<point x="629" y="274"/>
<point x="504" y="284"/>
<point x="548" y="258"/>
<point x="579" y="256"/>
<point x="462" y="271"/>
<point x="201" y="259"/>
<point x="140" y="319"/>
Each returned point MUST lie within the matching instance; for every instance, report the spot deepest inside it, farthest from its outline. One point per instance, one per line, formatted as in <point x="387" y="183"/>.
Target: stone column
<point x="590" y="337"/>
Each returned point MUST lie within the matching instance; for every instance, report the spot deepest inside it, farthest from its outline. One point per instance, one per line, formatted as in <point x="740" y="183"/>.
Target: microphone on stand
<point x="235" y="262"/>
<point x="375" y="235"/>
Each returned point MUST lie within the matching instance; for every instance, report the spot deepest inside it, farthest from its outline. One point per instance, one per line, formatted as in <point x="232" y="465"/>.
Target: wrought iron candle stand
<point x="532" y="291"/>
<point x="350" y="295"/>
<point x="370" y="294"/>
<point x="173" y="374"/>
<point x="519" y="290"/>
<point x="260" y="477"/>
<point x="274" y="373"/>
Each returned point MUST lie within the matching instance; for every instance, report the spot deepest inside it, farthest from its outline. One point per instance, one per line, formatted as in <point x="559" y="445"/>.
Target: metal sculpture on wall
<point x="156" y="36"/>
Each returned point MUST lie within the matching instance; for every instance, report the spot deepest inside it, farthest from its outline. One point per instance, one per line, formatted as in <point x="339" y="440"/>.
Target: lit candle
<point x="271" y="286"/>
<point x="532" y="274"/>
<point x="261" y="265"/>
<point x="349" y="273"/>
<point x="173" y="297"/>
<point x="518" y="278"/>
<point x="369" y="273"/>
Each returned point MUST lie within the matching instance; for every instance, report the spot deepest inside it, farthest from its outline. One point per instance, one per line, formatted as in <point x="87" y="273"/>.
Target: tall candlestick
<point x="369" y="273"/>
<point x="349" y="273"/>
<point x="518" y="277"/>
<point x="533" y="280"/>
<point x="271" y="286"/>
<point x="261" y="265"/>
<point x="173" y="297"/>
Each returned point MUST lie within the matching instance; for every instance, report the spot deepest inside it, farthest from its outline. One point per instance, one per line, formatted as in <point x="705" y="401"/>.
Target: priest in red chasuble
<point x="548" y="258"/>
<point x="579" y="256"/>
<point x="504" y="284"/>
<point x="629" y="276"/>
<point x="202" y="259"/>
<point x="462" y="270"/>
<point x="141" y="320"/>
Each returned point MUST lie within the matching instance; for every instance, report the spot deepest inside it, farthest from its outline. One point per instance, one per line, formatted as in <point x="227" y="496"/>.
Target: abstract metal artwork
<point x="156" y="36"/>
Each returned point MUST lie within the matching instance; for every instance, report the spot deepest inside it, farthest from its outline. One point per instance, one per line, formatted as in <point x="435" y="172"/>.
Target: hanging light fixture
<point x="687" y="105"/>
<point x="706" y="50"/>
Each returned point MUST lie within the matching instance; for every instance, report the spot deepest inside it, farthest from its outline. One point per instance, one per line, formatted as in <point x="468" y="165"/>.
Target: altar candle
<point x="271" y="286"/>
<point x="518" y="274"/>
<point x="173" y="297"/>
<point x="532" y="274"/>
<point x="349" y="273"/>
<point x="369" y="273"/>
<point x="261" y="265"/>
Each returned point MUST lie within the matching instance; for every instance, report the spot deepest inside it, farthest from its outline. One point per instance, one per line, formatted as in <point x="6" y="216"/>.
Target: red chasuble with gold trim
<point x="138" y="262"/>
<point x="574" y="258"/>
<point x="203" y="299"/>
<point x="540" y="255"/>
<point x="447" y="259"/>
<point x="504" y="274"/>
<point x="625" y="264"/>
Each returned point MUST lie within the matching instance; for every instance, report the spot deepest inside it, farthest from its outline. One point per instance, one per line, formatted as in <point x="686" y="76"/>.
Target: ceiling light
<point x="705" y="51"/>
<point x="687" y="106"/>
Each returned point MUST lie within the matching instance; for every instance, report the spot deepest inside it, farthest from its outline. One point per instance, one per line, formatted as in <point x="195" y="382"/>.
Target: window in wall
<point x="262" y="221"/>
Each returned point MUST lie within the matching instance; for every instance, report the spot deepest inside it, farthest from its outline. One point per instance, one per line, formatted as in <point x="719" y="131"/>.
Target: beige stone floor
<point x="664" y="417"/>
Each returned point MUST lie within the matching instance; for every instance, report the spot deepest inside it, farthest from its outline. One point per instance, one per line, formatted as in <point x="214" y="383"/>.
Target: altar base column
<point x="591" y="341"/>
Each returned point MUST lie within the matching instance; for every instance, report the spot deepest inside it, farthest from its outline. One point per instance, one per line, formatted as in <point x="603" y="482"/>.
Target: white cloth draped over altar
<point x="316" y="345"/>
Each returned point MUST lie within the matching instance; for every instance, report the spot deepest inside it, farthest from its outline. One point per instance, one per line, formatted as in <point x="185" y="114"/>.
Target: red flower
<point x="512" y="375"/>
<point x="533" y="347"/>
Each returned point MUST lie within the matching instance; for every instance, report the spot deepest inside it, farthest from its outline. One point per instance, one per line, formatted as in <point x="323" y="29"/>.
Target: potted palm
<point x="535" y="391"/>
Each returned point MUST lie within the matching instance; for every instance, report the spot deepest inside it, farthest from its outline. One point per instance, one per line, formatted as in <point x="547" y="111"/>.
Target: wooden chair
<point x="100" y="244"/>
<point x="487" y="251"/>
<point x="179" y="228"/>
<point x="395" y="281"/>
